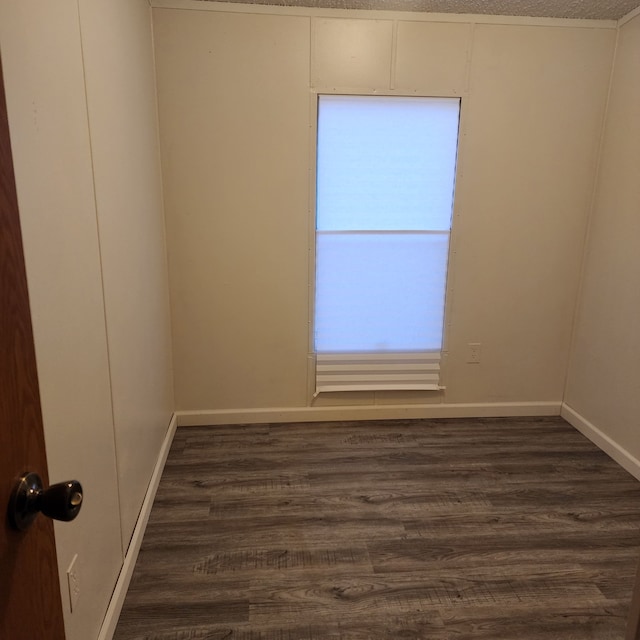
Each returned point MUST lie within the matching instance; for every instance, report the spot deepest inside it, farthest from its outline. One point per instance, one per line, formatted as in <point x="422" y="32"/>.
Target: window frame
<point x="315" y="95"/>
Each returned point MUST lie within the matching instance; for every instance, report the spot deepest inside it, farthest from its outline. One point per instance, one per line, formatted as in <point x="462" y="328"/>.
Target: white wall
<point x="236" y="97"/>
<point x="603" y="386"/>
<point x="89" y="192"/>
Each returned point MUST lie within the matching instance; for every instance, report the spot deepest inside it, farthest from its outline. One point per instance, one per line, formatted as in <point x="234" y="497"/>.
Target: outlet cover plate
<point x="473" y="353"/>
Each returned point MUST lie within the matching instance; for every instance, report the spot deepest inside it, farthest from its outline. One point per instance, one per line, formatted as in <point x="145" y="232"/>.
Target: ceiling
<point x="589" y="9"/>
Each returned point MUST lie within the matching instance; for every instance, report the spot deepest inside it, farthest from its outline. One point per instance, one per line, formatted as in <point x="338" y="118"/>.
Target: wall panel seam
<point x="590" y="214"/>
<point x="102" y="285"/>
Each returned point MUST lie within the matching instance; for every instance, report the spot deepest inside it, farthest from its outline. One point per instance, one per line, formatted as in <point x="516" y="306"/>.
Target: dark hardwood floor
<point x="494" y="529"/>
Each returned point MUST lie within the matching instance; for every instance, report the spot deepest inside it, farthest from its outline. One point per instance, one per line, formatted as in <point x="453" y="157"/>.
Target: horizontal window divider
<point x="397" y="232"/>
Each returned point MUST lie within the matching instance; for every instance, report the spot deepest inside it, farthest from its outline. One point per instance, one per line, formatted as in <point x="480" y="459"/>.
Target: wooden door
<point x="30" y="602"/>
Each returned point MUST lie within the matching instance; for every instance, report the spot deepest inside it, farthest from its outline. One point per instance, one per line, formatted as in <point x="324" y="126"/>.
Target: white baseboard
<point x="368" y="412"/>
<point x="120" y="591"/>
<point x="601" y="440"/>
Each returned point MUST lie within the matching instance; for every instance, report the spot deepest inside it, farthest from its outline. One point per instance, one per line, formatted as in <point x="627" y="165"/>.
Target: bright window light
<point x="385" y="181"/>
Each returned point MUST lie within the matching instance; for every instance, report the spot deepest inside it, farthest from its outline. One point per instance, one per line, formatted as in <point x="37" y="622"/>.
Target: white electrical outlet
<point x="73" y="580"/>
<point x="473" y="354"/>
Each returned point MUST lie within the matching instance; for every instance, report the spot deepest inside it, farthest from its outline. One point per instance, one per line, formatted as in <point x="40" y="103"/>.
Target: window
<point x="385" y="180"/>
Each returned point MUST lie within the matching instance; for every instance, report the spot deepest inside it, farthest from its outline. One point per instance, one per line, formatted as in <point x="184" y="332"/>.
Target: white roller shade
<point x="382" y="291"/>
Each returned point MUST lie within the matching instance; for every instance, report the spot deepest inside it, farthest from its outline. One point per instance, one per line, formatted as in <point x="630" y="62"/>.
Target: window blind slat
<point x="355" y="372"/>
<point x="355" y="368"/>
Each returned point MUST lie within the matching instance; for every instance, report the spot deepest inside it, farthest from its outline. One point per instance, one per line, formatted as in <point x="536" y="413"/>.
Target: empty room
<point x="329" y="308"/>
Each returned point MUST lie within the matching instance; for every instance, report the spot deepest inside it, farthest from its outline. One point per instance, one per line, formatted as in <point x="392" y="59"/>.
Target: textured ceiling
<point x="590" y="9"/>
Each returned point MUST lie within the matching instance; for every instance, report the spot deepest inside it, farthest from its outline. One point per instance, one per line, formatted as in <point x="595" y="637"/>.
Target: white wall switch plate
<point x="73" y="580"/>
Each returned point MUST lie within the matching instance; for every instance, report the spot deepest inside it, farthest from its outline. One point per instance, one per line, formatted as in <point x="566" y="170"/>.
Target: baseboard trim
<point x="369" y="412"/>
<point x="601" y="440"/>
<point x="122" y="585"/>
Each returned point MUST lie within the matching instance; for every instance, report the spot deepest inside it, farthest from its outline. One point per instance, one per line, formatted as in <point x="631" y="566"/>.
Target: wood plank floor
<point x="494" y="529"/>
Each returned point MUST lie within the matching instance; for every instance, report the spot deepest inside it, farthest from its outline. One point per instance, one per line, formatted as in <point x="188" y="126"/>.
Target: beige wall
<point x="234" y="97"/>
<point x="89" y="194"/>
<point x="121" y="99"/>
<point x="236" y="118"/>
<point x="535" y="110"/>
<point x="603" y="386"/>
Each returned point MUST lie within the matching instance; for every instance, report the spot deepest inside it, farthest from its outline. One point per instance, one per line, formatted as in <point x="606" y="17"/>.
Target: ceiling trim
<point x="408" y="16"/>
<point x="630" y="16"/>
